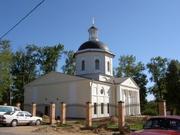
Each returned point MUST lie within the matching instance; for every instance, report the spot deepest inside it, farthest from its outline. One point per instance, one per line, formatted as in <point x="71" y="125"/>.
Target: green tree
<point x="24" y="70"/>
<point x="5" y="76"/>
<point x="157" y="68"/>
<point x="69" y="67"/>
<point x="48" y="57"/>
<point x="128" y="67"/>
<point x="173" y="85"/>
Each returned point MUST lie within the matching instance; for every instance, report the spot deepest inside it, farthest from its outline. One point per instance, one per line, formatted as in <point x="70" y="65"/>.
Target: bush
<point x="150" y="108"/>
<point x="150" y="111"/>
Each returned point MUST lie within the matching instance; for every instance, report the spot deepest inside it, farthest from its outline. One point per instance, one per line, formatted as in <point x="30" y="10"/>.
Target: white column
<point x="129" y="103"/>
<point x="133" y="108"/>
<point x="120" y="94"/>
<point x="138" y="103"/>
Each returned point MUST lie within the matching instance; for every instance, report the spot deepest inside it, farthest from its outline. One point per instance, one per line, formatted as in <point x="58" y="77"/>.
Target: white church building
<point x="94" y="82"/>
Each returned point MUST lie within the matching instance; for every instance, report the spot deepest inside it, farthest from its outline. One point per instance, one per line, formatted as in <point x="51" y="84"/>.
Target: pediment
<point x="129" y="82"/>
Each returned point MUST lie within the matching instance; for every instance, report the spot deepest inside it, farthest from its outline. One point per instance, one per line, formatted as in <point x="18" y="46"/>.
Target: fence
<point x="89" y="111"/>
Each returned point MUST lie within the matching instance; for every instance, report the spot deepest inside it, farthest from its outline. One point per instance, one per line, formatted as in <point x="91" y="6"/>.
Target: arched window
<point x="97" y="64"/>
<point x="108" y="66"/>
<point x="83" y="65"/>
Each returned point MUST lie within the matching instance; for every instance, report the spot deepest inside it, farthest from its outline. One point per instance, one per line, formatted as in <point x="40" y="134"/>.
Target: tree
<point x="24" y="70"/>
<point x="157" y="68"/>
<point x="128" y="67"/>
<point x="173" y="85"/>
<point x="69" y="67"/>
<point x="5" y="76"/>
<point x="48" y="57"/>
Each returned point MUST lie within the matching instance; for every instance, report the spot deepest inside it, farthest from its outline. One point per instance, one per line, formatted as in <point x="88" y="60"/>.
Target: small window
<point x="83" y="65"/>
<point x="107" y="107"/>
<point x="95" y="108"/>
<point x="102" y="108"/>
<point x="108" y="66"/>
<point x="97" y="64"/>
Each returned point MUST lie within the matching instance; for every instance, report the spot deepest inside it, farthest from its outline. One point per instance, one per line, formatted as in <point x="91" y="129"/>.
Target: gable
<point x="129" y="82"/>
<point x="54" y="77"/>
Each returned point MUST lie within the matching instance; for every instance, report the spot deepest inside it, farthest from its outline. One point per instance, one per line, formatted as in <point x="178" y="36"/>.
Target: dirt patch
<point x="71" y="130"/>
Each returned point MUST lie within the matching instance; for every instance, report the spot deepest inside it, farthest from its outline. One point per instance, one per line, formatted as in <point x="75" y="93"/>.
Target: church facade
<point x="94" y="82"/>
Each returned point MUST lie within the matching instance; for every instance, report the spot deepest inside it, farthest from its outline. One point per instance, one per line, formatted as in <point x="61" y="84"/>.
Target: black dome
<point x="93" y="45"/>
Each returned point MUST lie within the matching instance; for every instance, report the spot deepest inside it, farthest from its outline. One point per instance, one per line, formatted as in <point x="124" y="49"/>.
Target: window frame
<point x="108" y="108"/>
<point x="83" y="65"/>
<point x="108" y="66"/>
<point x="97" y="64"/>
<point x="95" y="108"/>
<point x="102" y="108"/>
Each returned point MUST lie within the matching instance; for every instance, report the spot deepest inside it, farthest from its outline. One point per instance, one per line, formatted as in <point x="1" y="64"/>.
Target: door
<point x="21" y="118"/>
<point x="28" y="117"/>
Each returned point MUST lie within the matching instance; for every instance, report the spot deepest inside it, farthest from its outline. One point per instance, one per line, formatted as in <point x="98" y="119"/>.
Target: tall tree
<point x="173" y="85"/>
<point x="24" y="70"/>
<point x="48" y="57"/>
<point x="5" y="63"/>
<point x="69" y="67"/>
<point x="128" y="67"/>
<point x="157" y="68"/>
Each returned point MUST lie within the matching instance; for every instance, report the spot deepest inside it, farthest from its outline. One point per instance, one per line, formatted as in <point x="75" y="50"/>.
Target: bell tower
<point x="93" y="58"/>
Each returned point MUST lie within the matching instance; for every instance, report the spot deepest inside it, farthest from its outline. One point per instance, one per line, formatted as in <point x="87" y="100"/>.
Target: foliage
<point x="151" y="108"/>
<point x="128" y="67"/>
<point x="69" y="67"/>
<point x="48" y="57"/>
<point x="5" y="63"/>
<point x="173" y="85"/>
<point x="24" y="70"/>
<point x="27" y="63"/>
<point x="157" y="68"/>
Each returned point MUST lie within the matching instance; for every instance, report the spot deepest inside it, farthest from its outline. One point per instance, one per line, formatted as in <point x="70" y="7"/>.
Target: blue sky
<point x="144" y="28"/>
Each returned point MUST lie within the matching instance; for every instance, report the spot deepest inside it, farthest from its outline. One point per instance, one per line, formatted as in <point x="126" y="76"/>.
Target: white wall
<point x="101" y="93"/>
<point x="89" y="58"/>
<point x="108" y="58"/>
<point x="71" y="92"/>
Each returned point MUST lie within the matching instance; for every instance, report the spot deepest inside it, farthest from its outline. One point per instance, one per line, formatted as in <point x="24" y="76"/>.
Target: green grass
<point x="136" y="126"/>
<point x="112" y="126"/>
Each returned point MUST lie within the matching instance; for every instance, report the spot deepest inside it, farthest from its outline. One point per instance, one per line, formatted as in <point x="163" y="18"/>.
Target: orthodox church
<point x="94" y="82"/>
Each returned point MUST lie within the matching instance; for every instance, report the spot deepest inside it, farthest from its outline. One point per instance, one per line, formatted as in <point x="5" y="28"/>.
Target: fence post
<point x="63" y="113"/>
<point x="88" y="114"/>
<point x="162" y="107"/>
<point x="121" y="112"/>
<point x="33" y="109"/>
<point x="18" y="105"/>
<point x="52" y="113"/>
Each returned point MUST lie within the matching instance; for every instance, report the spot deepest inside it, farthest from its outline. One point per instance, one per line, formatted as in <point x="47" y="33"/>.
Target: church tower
<point x="93" y="58"/>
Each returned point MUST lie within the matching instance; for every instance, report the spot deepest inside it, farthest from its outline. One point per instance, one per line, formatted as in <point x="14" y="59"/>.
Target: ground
<point x="107" y="126"/>
<point x="49" y="130"/>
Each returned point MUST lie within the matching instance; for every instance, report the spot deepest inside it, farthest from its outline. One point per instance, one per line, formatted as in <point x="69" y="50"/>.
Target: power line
<point x="22" y="19"/>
